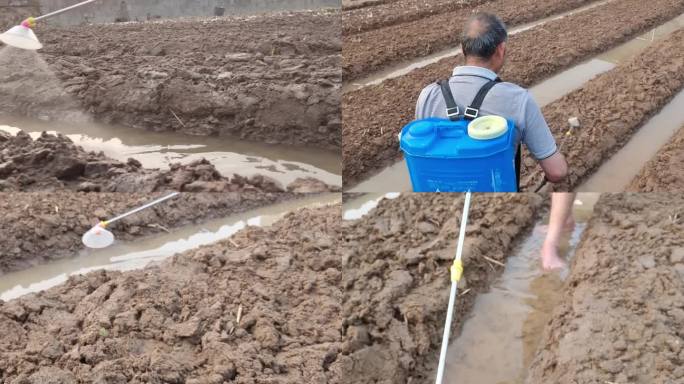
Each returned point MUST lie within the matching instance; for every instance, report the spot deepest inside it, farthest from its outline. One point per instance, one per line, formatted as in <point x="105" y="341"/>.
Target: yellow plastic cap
<point x="487" y="127"/>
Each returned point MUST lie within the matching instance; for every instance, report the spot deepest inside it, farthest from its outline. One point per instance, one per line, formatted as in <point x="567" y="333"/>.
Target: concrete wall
<point x="107" y="11"/>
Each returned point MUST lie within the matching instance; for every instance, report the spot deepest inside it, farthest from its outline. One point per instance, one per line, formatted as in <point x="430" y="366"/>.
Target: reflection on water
<point x="159" y="149"/>
<point x="123" y="256"/>
<point x="357" y="208"/>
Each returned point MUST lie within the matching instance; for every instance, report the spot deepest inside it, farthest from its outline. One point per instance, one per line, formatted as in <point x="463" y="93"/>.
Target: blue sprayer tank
<point x="442" y="157"/>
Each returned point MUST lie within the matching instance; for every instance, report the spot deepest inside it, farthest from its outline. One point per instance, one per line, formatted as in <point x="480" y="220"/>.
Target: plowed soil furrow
<point x="611" y="107"/>
<point x="262" y="308"/>
<point x="41" y="227"/>
<point x="621" y="317"/>
<point x="396" y="280"/>
<point x="664" y="171"/>
<point x="373" y="50"/>
<point x="402" y="11"/>
<point x="374" y="115"/>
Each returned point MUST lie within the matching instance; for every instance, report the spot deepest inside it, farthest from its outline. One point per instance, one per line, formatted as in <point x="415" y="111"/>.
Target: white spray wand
<point x="99" y="237"/>
<point x="456" y="273"/>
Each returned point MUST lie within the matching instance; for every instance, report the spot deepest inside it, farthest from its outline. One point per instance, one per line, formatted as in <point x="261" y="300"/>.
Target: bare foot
<point x="550" y="258"/>
<point x="569" y="224"/>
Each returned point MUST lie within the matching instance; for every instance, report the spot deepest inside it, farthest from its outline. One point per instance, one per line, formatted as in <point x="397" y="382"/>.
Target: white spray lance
<point x="99" y="237"/>
<point x="22" y="35"/>
<point x="456" y="273"/>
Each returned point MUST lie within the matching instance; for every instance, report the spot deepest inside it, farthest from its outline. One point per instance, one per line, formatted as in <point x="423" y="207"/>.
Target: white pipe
<point x="174" y="194"/>
<point x="452" y="294"/>
<point x="55" y="13"/>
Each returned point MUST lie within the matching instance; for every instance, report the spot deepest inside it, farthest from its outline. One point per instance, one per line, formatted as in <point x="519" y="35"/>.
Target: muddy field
<point x="262" y="308"/>
<point x="54" y="163"/>
<point x="664" y="171"/>
<point x="623" y="307"/>
<point x="270" y="78"/>
<point x="396" y="282"/>
<point x="611" y="107"/>
<point x="370" y="127"/>
<point x="40" y="227"/>
<point x="376" y="49"/>
<point x="375" y="16"/>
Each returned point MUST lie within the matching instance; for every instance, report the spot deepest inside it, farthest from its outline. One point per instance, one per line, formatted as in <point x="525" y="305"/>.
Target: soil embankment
<point x="271" y="78"/>
<point x="371" y="127"/>
<point x="263" y="307"/>
<point x="621" y="317"/>
<point x="396" y="279"/>
<point x="40" y="227"/>
<point x="54" y="163"/>
<point x="664" y="172"/>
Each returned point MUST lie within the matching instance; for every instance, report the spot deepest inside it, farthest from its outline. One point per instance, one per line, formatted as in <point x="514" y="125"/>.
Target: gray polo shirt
<point x="505" y="99"/>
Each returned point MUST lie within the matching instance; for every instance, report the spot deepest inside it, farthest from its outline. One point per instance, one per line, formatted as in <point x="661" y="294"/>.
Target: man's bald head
<point x="483" y="33"/>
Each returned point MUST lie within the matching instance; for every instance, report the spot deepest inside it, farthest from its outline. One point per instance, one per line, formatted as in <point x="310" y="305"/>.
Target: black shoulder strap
<point x="473" y="110"/>
<point x="452" y="111"/>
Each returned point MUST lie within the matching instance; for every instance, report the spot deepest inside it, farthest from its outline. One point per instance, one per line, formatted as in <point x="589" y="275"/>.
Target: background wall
<point x="12" y="12"/>
<point x="106" y="11"/>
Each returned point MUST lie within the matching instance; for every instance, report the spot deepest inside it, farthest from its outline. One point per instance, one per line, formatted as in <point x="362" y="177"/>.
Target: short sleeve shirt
<point x="505" y="99"/>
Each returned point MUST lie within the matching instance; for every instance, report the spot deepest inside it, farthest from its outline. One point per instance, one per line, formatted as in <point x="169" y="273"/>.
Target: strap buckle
<point x="471" y="112"/>
<point x="452" y="112"/>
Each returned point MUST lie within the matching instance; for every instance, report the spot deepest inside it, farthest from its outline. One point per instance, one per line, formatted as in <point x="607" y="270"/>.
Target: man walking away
<point x="484" y="48"/>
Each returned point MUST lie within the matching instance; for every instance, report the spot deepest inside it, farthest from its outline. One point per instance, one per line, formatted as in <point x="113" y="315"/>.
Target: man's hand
<point x="555" y="167"/>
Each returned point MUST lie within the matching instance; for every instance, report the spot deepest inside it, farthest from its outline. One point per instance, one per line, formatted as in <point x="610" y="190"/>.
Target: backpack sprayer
<point x="465" y="152"/>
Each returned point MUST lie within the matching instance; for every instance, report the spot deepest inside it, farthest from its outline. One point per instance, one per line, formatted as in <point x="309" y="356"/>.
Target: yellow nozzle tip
<point x="103" y="224"/>
<point x="456" y="271"/>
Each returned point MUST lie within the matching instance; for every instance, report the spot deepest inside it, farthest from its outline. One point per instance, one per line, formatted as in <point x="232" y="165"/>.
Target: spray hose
<point x="456" y="270"/>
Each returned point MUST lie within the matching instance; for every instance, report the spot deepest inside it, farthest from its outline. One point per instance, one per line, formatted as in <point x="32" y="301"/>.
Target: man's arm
<point x="541" y="144"/>
<point x="555" y="167"/>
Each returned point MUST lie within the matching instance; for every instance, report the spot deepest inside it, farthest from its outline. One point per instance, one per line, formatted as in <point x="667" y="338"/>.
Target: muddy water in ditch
<point x="616" y="173"/>
<point x="134" y="255"/>
<point x="159" y="149"/>
<point x="359" y="207"/>
<point x="500" y="336"/>
<point x="662" y="126"/>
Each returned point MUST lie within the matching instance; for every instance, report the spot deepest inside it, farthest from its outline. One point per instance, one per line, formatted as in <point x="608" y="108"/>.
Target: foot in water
<point x="551" y="260"/>
<point x="568" y="226"/>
